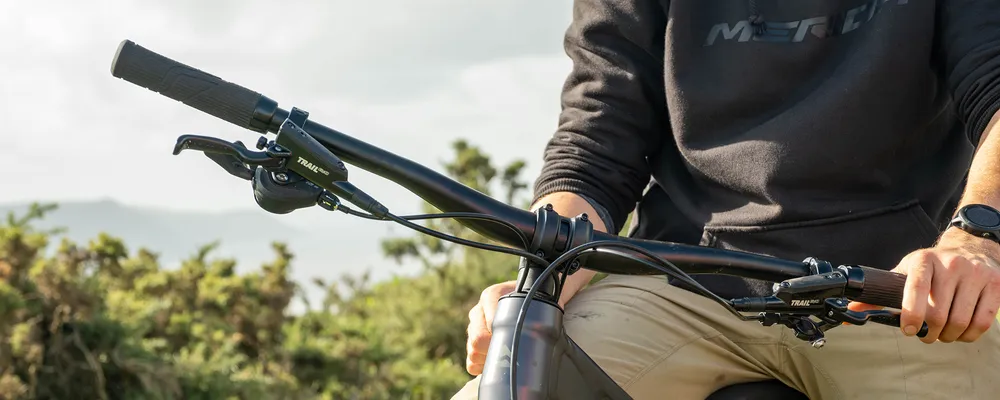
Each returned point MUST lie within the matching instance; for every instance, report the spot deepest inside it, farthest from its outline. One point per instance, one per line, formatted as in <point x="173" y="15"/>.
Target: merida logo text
<point x="312" y="167"/>
<point x="796" y="31"/>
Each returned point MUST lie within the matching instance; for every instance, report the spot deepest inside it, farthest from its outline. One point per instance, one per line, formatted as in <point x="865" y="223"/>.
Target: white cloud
<point x="408" y="76"/>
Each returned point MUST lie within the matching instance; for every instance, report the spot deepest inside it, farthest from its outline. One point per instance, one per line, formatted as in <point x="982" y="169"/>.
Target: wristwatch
<point x="979" y="220"/>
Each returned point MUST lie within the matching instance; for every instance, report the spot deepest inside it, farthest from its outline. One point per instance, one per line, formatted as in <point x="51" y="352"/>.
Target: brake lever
<point x="212" y="145"/>
<point x="837" y="314"/>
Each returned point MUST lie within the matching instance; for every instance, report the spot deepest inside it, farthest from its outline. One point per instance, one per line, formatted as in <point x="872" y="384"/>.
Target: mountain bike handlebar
<point x="313" y="152"/>
<point x="251" y="110"/>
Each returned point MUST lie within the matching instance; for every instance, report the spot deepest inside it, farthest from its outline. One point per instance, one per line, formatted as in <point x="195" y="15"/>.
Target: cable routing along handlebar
<point x="305" y="165"/>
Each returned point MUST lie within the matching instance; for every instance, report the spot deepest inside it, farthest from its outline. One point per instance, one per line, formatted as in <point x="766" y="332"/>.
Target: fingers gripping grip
<point x="882" y="288"/>
<point x="195" y="88"/>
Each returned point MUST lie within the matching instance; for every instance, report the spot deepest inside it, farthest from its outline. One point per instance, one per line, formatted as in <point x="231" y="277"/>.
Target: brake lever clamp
<point x="309" y="157"/>
<point x="811" y="290"/>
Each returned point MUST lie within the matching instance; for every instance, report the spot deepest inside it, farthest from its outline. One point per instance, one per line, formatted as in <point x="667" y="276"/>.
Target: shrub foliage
<point x="103" y="321"/>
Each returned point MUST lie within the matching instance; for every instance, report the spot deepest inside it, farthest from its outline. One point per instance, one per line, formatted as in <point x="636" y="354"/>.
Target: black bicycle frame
<point x="551" y="365"/>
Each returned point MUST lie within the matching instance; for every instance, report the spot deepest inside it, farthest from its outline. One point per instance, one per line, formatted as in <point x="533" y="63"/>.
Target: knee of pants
<point x="644" y="329"/>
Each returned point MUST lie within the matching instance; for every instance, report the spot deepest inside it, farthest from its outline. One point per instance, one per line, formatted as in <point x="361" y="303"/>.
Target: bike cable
<point x="405" y="220"/>
<point x="469" y="216"/>
<point x="658" y="263"/>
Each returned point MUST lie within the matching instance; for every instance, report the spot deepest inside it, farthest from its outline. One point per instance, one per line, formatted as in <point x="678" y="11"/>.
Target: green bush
<point x="99" y="321"/>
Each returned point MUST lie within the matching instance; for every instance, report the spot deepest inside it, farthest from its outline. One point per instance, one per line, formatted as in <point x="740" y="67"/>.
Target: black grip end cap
<point x="118" y="54"/>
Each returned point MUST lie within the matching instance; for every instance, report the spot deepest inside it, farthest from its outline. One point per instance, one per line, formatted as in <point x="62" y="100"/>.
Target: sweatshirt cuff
<point x="602" y="213"/>
<point x="989" y="110"/>
<point x="584" y="191"/>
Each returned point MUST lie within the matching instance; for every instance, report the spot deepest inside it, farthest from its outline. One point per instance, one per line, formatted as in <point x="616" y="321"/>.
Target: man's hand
<point x="953" y="286"/>
<point x="481" y="319"/>
<point x="480" y="323"/>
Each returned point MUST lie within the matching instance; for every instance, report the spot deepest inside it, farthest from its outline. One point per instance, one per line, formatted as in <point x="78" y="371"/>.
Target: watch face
<point x="982" y="217"/>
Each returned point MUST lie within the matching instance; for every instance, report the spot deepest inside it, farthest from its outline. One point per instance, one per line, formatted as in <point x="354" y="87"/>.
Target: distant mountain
<point x="244" y="235"/>
<point x="173" y="234"/>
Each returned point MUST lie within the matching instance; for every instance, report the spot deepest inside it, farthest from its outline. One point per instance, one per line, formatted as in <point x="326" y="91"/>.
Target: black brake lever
<point x="238" y="150"/>
<point x="837" y="313"/>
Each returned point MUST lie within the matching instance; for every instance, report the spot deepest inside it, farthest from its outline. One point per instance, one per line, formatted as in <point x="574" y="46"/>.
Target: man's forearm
<point x="983" y="185"/>
<point x="570" y="204"/>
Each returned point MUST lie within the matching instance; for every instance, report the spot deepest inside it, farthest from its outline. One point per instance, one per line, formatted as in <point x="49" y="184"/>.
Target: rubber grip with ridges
<point x="195" y="88"/>
<point x="882" y="288"/>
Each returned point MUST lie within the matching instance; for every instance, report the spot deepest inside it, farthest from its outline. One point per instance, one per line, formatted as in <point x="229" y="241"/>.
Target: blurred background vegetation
<point x="103" y="321"/>
<point x="100" y="320"/>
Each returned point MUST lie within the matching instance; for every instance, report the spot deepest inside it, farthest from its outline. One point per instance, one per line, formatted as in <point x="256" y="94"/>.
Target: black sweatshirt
<point x="836" y="129"/>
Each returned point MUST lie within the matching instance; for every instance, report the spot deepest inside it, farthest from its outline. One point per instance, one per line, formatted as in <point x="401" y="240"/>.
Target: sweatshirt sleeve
<point x="969" y="43"/>
<point x="613" y="107"/>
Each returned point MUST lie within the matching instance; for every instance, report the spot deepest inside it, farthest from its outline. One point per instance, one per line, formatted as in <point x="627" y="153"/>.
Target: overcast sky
<point x="407" y="75"/>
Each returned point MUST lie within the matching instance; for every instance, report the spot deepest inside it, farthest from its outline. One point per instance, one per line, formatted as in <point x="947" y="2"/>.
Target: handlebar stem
<point x="554" y="235"/>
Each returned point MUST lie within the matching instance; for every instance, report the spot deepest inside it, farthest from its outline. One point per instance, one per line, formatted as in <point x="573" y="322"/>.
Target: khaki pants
<point x="659" y="342"/>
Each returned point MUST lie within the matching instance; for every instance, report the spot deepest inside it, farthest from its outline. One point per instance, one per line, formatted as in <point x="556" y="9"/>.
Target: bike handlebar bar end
<point x="118" y="52"/>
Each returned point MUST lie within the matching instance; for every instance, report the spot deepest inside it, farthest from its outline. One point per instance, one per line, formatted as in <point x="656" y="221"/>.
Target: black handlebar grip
<point x="193" y="87"/>
<point x="882" y="288"/>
